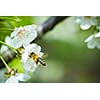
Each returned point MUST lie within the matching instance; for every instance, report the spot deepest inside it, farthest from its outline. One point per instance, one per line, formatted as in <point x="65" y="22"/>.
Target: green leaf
<point x="16" y="64"/>
<point x="6" y="29"/>
<point x="9" y="18"/>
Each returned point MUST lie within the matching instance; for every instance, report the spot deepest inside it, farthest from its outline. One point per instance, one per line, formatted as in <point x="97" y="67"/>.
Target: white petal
<point x="16" y="42"/>
<point x="85" y="26"/>
<point x="30" y="47"/>
<point x="30" y="27"/>
<point x="29" y="65"/>
<point x="12" y="79"/>
<point x="16" y="30"/>
<point x="40" y="54"/>
<point x="22" y="77"/>
<point x="30" y="32"/>
<point x="36" y="49"/>
<point x="3" y="49"/>
<point x="30" y="36"/>
<point x="25" y="56"/>
<point x="13" y="34"/>
<point x="91" y="44"/>
<point x="89" y="38"/>
<point x="33" y="48"/>
<point x="8" y="40"/>
<point x="97" y="35"/>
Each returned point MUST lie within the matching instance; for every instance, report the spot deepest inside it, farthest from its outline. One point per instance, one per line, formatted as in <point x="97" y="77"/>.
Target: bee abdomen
<point x="42" y="61"/>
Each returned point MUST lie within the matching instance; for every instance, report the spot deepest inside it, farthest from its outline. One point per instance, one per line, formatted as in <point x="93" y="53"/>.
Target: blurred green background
<point x="69" y="59"/>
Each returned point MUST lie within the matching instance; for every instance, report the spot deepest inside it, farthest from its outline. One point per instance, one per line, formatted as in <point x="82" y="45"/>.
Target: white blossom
<point x="22" y="36"/>
<point x="93" y="41"/>
<point x="29" y="62"/>
<point x="5" y="48"/>
<point x="86" y="21"/>
<point x="18" y="77"/>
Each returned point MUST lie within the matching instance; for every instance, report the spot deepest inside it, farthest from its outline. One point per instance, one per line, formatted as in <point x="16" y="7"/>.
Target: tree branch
<point x="49" y="24"/>
<point x="43" y="28"/>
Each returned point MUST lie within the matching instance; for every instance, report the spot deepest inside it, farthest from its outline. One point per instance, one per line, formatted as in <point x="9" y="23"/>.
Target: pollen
<point x="20" y="50"/>
<point x="21" y="32"/>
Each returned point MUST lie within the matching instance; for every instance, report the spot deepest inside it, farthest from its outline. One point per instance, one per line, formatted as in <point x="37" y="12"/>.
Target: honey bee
<point x="37" y="59"/>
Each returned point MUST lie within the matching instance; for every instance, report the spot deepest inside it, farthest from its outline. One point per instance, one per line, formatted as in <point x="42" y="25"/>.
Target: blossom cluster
<point x="21" y="39"/>
<point x="86" y="22"/>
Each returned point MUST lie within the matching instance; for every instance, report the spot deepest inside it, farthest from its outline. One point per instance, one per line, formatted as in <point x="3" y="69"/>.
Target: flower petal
<point x="22" y="77"/>
<point x="16" y="30"/>
<point x="29" y="65"/>
<point x="91" y="44"/>
<point x="30" y="27"/>
<point x="3" y="49"/>
<point x="16" y="42"/>
<point x="25" y="57"/>
<point x="30" y="47"/>
<point x="40" y="54"/>
<point x="36" y="49"/>
<point x="85" y="26"/>
<point x="12" y="79"/>
<point x="8" y="40"/>
<point x="89" y="38"/>
<point x="30" y="36"/>
<point x="97" y="35"/>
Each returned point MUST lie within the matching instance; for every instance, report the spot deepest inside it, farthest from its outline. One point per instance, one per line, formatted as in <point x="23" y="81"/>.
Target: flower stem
<point x="4" y="62"/>
<point x="12" y="48"/>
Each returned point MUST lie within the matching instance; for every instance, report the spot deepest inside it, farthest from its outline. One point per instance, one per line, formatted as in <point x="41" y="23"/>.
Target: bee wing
<point x="45" y="55"/>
